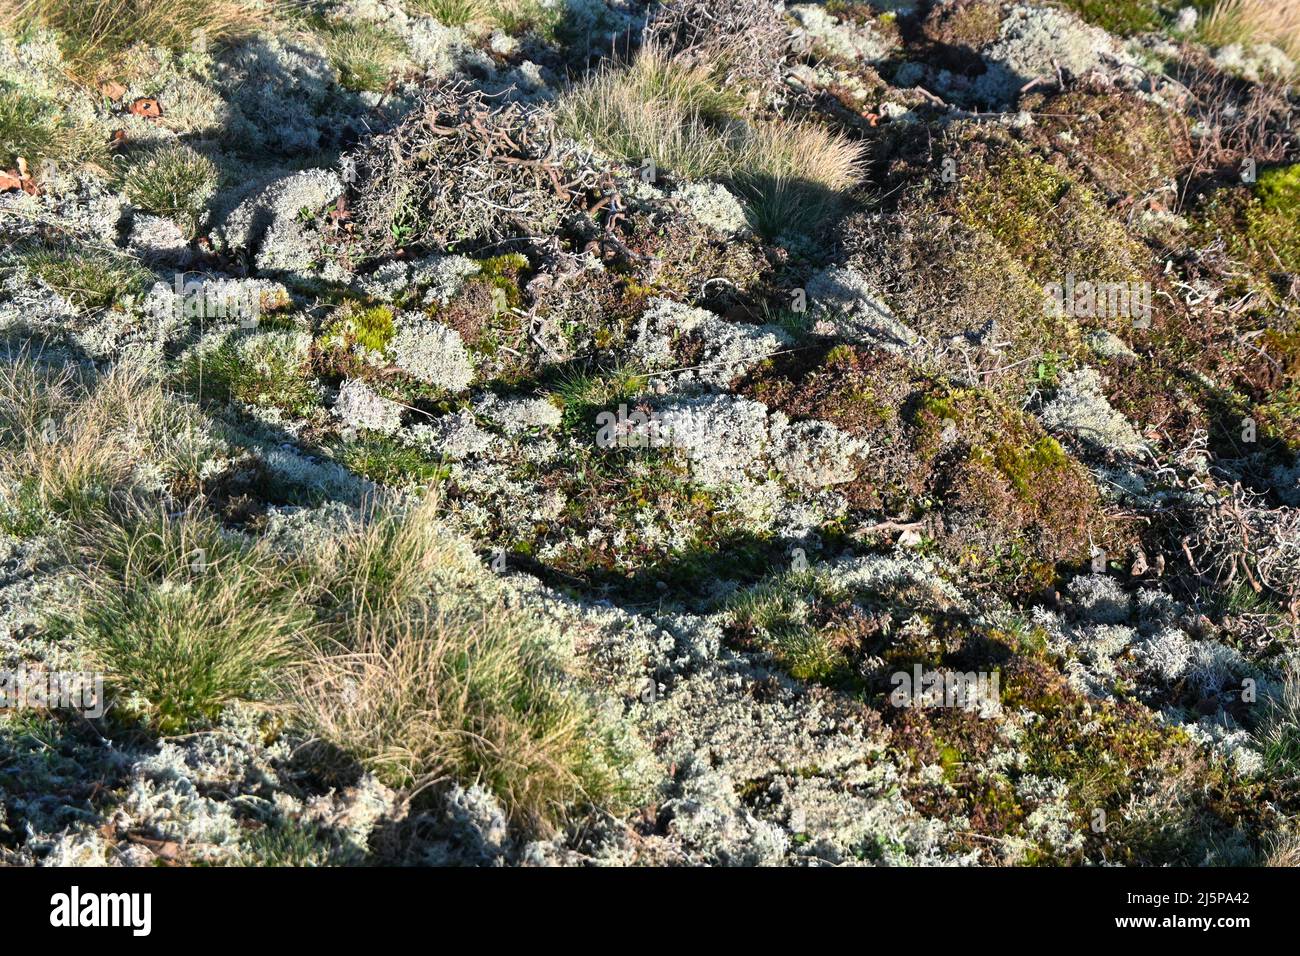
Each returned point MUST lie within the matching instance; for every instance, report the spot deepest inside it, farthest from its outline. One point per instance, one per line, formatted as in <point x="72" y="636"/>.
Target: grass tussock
<point x="367" y="57"/>
<point x="89" y="278"/>
<point x="1254" y="21"/>
<point x="452" y="13"/>
<point x="459" y="694"/>
<point x="387" y="561"/>
<point x="778" y="617"/>
<point x="67" y="443"/>
<point x="181" y="617"/>
<point x="656" y="109"/>
<point x="792" y="175"/>
<point x="94" y="34"/>
<point x="427" y="677"/>
<point x="1278" y="736"/>
<point x="174" y="181"/>
<point x="37" y="131"/>
<point x="386" y="640"/>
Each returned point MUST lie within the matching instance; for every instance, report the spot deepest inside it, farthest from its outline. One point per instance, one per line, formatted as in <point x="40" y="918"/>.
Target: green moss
<point x="383" y="460"/>
<point x="1273" y="219"/>
<point x="1048" y="220"/>
<point x="1121" y="17"/>
<point x="1034" y="505"/>
<point x="372" y="328"/>
<point x="1258" y="224"/>
<point x="1028" y="468"/>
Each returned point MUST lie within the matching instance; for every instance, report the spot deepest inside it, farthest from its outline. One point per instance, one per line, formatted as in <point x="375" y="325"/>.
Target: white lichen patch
<point x="274" y="225"/>
<point x="438" y="278"/>
<point x="1081" y="408"/>
<point x="454" y="436"/>
<point x="358" y="406"/>
<point x="1037" y="41"/>
<point x="430" y="352"/>
<point x="846" y="304"/>
<point x="729" y="349"/>
<point x="846" y="40"/>
<point x="516" y="415"/>
<point x="715" y="206"/>
<point x="815" y="454"/>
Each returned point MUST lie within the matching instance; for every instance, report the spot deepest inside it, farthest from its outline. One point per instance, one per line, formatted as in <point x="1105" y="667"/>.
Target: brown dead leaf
<point x="117" y="140"/>
<point x="112" y="89"/>
<point x="9" y="180"/>
<point x="146" y="106"/>
<point x="167" y="851"/>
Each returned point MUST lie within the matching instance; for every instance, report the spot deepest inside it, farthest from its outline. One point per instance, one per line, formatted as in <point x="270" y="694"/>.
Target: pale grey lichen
<point x="710" y="819"/>
<point x="440" y="278"/>
<point x="815" y="453"/>
<point x="1108" y="345"/>
<point x="1039" y="41"/>
<point x="282" y="94"/>
<point x="273" y="225"/>
<point x="358" y="406"/>
<point x="432" y="353"/>
<point x="844" y="39"/>
<point x="715" y="206"/>
<point x="1099" y="599"/>
<point x="1166" y="655"/>
<point x="729" y="348"/>
<point x="722" y="435"/>
<point x="1256" y="62"/>
<point x="453" y="436"/>
<point x="158" y="240"/>
<point x="516" y="415"/>
<point x="848" y="305"/>
<point x="1081" y="408"/>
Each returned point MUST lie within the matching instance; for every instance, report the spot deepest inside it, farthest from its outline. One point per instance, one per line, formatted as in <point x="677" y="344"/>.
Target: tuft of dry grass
<point x="453" y="13"/>
<point x="1254" y="21"/>
<point x="671" y="111"/>
<point x="367" y="57"/>
<point x="461" y="693"/>
<point x="95" y="33"/>
<point x="425" y="676"/>
<point x="65" y="442"/>
<point x="387" y="561"/>
<point x="794" y="175"/>
<point x="657" y="109"/>
<point x="68" y="442"/>
<point x="1282" y="849"/>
